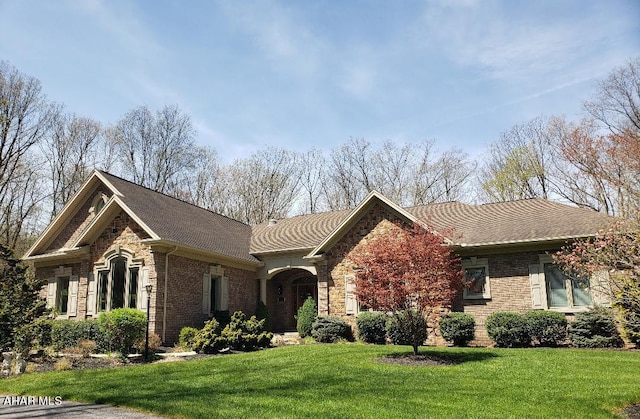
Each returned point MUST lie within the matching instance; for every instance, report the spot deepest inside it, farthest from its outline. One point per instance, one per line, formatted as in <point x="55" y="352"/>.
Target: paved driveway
<point x="17" y="407"/>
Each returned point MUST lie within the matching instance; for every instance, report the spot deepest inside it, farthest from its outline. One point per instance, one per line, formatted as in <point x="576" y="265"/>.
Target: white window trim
<point x="477" y="263"/>
<point x="105" y="265"/>
<point x="100" y="197"/>
<point x="545" y="259"/>
<point x="215" y="277"/>
<point x="72" y="297"/>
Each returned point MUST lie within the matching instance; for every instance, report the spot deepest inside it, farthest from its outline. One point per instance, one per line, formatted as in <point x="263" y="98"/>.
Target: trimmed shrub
<point x="372" y="327"/>
<point x="245" y="334"/>
<point x="67" y="334"/>
<point x="208" y="339"/>
<point x="330" y="330"/>
<point x="458" y="328"/>
<point x="508" y="329"/>
<point x="262" y="313"/>
<point x="122" y="328"/>
<point x="187" y="337"/>
<point x="222" y="317"/>
<point x="407" y="328"/>
<point x="307" y="314"/>
<point x="595" y="328"/>
<point x="547" y="328"/>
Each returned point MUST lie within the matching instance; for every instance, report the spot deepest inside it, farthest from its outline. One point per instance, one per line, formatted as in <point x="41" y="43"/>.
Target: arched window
<point x="99" y="201"/>
<point x="119" y="282"/>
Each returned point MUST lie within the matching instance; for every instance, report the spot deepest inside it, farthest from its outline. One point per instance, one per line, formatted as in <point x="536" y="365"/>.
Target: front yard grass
<point x="343" y="380"/>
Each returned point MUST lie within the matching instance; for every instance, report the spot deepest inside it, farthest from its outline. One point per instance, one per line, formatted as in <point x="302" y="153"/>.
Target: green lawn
<point x="342" y="380"/>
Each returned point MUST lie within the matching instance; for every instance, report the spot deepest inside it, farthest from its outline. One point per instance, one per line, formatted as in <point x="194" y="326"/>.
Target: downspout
<point x="164" y="302"/>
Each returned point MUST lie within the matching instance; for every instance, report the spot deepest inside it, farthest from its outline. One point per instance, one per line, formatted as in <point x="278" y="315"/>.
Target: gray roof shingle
<point x="525" y="220"/>
<point x="181" y="222"/>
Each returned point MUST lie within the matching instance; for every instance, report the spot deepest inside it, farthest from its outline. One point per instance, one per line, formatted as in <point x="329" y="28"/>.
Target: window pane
<point x="212" y="294"/>
<point x="556" y="286"/>
<point x="117" y="283"/>
<point x="102" y="291"/>
<point x="63" y="295"/>
<point x="133" y="287"/>
<point x="581" y="293"/>
<point x="475" y="279"/>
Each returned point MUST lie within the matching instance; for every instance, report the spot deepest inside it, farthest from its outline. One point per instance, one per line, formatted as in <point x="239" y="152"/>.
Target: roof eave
<point x="206" y="254"/>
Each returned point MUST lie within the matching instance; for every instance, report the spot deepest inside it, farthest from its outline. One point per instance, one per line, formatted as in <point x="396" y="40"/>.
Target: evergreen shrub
<point x="595" y="328"/>
<point x="372" y="327"/>
<point x="330" y="330"/>
<point x="307" y="314"/>
<point x="508" y="329"/>
<point x="458" y="328"/>
<point x="547" y="328"/>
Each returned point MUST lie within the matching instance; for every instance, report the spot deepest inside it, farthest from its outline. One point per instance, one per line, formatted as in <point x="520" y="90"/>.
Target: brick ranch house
<point x="113" y="237"/>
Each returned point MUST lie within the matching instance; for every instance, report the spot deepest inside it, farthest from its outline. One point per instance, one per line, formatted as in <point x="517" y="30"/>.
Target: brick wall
<point x="184" y="297"/>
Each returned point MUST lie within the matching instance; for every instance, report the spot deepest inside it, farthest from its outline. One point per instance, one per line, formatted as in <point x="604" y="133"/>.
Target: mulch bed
<point x="417" y="360"/>
<point x="631" y="412"/>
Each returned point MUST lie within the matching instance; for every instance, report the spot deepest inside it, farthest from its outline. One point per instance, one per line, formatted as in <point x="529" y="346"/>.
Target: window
<point x="99" y="201"/>
<point x="62" y="292"/>
<point x="563" y="291"/>
<point x="476" y="279"/>
<point x="215" y="291"/>
<point x="62" y="297"/>
<point x="118" y="281"/>
<point x="552" y="289"/>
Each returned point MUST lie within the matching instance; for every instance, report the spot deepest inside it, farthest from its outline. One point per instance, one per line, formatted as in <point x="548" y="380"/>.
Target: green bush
<point x="307" y="314"/>
<point x="222" y="317"/>
<point x="122" y="328"/>
<point x="508" y="329"/>
<point x="330" y="330"/>
<point x="548" y="328"/>
<point x="458" y="328"/>
<point x="208" y="339"/>
<point x="372" y="327"/>
<point x="67" y="334"/>
<point x="595" y="328"/>
<point x="262" y="313"/>
<point x="407" y="328"/>
<point x="245" y="334"/>
<point x="187" y="337"/>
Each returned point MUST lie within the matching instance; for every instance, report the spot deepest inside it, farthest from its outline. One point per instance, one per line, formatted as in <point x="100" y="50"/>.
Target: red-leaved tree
<point x="407" y="271"/>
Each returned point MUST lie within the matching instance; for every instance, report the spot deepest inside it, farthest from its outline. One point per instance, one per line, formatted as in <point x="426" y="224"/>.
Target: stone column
<point x="263" y="290"/>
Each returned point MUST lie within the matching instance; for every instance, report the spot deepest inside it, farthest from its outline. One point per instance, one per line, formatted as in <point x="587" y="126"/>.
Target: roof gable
<point x="356" y="214"/>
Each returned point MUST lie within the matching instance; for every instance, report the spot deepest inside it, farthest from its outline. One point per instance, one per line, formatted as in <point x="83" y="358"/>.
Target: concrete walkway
<point x="18" y="407"/>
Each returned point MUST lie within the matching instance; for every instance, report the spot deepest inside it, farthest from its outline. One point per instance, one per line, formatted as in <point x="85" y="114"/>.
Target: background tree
<point x="615" y="251"/>
<point x="72" y="148"/>
<point x="25" y="117"/>
<point x="155" y="149"/>
<point x="20" y="303"/>
<point x="407" y="270"/>
<point x="263" y="186"/>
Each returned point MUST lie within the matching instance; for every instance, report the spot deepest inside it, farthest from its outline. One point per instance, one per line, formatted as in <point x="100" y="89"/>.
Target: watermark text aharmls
<point x="32" y="401"/>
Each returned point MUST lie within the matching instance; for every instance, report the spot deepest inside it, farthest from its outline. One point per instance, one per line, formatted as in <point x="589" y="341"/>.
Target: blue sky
<point x="302" y="74"/>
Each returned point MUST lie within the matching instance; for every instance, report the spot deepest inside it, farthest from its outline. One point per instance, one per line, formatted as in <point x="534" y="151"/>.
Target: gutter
<point x="164" y="302"/>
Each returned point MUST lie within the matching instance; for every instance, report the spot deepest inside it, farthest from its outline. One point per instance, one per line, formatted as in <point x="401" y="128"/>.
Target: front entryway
<point x="286" y="293"/>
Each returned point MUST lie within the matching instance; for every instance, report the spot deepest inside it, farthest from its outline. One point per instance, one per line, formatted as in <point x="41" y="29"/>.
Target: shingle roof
<point x="526" y="220"/>
<point x="180" y="222"/>
<point x="301" y="232"/>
